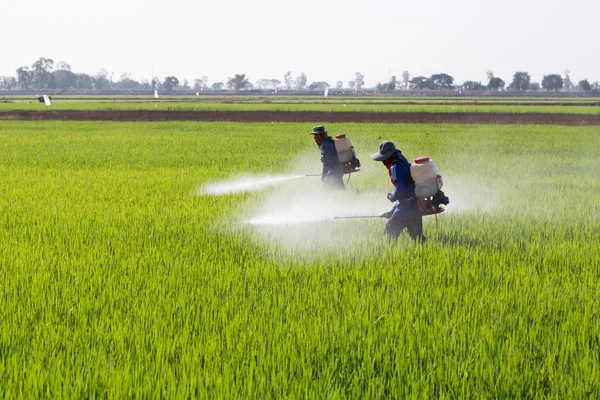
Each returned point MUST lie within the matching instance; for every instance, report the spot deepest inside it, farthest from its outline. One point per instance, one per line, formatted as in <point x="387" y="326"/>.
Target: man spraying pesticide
<point x="338" y="157"/>
<point x="416" y="191"/>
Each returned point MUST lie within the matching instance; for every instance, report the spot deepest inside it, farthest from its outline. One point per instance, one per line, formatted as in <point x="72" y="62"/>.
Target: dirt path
<point x="306" y="116"/>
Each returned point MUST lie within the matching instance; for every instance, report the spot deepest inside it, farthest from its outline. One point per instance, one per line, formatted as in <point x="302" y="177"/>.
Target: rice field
<point x="337" y="104"/>
<point x="120" y="278"/>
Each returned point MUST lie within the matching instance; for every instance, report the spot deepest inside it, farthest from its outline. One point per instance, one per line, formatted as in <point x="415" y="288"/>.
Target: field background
<point x="333" y="103"/>
<point x="120" y="278"/>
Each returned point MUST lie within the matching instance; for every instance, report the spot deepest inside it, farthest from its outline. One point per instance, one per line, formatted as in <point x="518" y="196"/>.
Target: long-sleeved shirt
<point x="404" y="187"/>
<point x="329" y="158"/>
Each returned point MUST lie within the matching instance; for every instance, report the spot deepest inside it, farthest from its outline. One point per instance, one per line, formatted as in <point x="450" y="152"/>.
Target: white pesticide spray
<point x="245" y="184"/>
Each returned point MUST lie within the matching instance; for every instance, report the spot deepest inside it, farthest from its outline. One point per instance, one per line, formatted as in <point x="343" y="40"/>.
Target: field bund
<point x="497" y="118"/>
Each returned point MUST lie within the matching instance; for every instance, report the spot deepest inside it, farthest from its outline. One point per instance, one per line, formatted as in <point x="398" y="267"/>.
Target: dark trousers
<point x="413" y="222"/>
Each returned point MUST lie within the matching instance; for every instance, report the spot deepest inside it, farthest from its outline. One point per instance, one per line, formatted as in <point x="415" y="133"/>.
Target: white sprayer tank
<point x="344" y="149"/>
<point x="426" y="176"/>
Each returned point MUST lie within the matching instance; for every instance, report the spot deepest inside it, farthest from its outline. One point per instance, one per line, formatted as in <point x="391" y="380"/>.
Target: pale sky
<point x="329" y="40"/>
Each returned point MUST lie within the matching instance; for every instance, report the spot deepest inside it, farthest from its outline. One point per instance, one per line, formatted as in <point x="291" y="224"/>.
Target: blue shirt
<point x="329" y="158"/>
<point x="404" y="188"/>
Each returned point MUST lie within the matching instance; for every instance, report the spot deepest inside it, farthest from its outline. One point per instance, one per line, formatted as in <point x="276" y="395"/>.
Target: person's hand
<point x="389" y="196"/>
<point x="387" y="215"/>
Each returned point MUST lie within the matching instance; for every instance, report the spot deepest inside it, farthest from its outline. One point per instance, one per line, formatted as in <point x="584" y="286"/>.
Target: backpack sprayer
<point x="346" y="156"/>
<point x="428" y="183"/>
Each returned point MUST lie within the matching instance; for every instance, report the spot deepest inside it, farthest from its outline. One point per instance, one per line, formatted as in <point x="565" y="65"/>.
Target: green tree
<point x="64" y="79"/>
<point x="288" y="80"/>
<point x="217" y="86"/>
<point x="8" y="83"/>
<point x="584" y="85"/>
<point x="169" y="83"/>
<point x="520" y="83"/>
<point x="101" y="81"/>
<point x="24" y="78"/>
<point x="552" y="82"/>
<point x="473" y="86"/>
<point x="495" y="84"/>
<point x="359" y="79"/>
<point x="238" y="82"/>
<point x="441" y="82"/>
<point x="84" y="81"/>
<point x="351" y="84"/>
<point x="405" y="80"/>
<point x="301" y="81"/>
<point x="420" y="83"/>
<point x="318" y="86"/>
<point x="41" y="72"/>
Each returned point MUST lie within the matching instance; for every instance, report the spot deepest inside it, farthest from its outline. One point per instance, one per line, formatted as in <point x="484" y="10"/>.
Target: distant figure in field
<point x="405" y="213"/>
<point x="332" y="171"/>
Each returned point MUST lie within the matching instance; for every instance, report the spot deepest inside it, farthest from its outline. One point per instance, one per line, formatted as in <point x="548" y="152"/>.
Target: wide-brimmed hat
<point x="318" y="129"/>
<point x="386" y="150"/>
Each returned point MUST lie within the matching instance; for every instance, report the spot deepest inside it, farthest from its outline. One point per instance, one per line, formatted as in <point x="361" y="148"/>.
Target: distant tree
<point x="359" y="79"/>
<point x="387" y="86"/>
<point x="568" y="85"/>
<point x="217" y="86"/>
<point x="318" y="86"/>
<point x="145" y="85"/>
<point x="584" y="85"/>
<point x="552" y="82"/>
<point x="339" y="85"/>
<point x="84" y="81"/>
<point x="301" y="81"/>
<point x="65" y="79"/>
<point x="8" y="83"/>
<point x="262" y="83"/>
<point x="155" y="82"/>
<point x="238" y="82"/>
<point x="63" y="65"/>
<point x="420" y="83"/>
<point x="200" y="83"/>
<point x="288" y="80"/>
<point x="351" y="84"/>
<point x="534" y="87"/>
<point x="495" y="84"/>
<point x="186" y="84"/>
<point x="274" y="83"/>
<point x="127" y="82"/>
<point x="101" y="81"/>
<point x="405" y="80"/>
<point x="520" y="83"/>
<point x="41" y="72"/>
<point x="441" y="81"/>
<point x="473" y="86"/>
<point x="490" y="75"/>
<point x="169" y="83"/>
<point x="24" y="78"/>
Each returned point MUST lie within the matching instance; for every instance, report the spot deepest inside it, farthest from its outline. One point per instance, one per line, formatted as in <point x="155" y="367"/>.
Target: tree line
<point x="45" y="74"/>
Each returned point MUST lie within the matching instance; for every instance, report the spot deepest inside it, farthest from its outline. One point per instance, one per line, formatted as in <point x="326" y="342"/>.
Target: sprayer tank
<point x="344" y="149"/>
<point x="426" y="176"/>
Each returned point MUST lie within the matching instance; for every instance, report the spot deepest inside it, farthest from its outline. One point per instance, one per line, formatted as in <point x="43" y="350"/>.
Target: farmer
<point x="405" y="213"/>
<point x="332" y="171"/>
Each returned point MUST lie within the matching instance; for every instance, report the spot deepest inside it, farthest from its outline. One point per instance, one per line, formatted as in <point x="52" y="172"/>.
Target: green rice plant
<point x="120" y="279"/>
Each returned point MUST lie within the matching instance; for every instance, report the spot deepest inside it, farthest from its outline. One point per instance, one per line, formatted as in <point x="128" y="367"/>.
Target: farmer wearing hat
<point x="405" y="213"/>
<point x="332" y="172"/>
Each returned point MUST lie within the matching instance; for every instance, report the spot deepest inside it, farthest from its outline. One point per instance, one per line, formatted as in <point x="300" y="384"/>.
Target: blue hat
<point x="386" y="150"/>
<point x="318" y="129"/>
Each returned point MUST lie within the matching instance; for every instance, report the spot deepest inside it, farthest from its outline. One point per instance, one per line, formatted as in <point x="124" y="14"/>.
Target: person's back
<point x="405" y="213"/>
<point x="332" y="173"/>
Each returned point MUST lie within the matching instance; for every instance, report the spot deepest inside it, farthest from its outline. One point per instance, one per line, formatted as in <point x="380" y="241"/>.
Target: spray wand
<point x="386" y="215"/>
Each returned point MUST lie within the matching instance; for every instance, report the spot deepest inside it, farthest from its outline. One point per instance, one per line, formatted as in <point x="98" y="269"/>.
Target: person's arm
<point x="328" y="157"/>
<point x="400" y="191"/>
